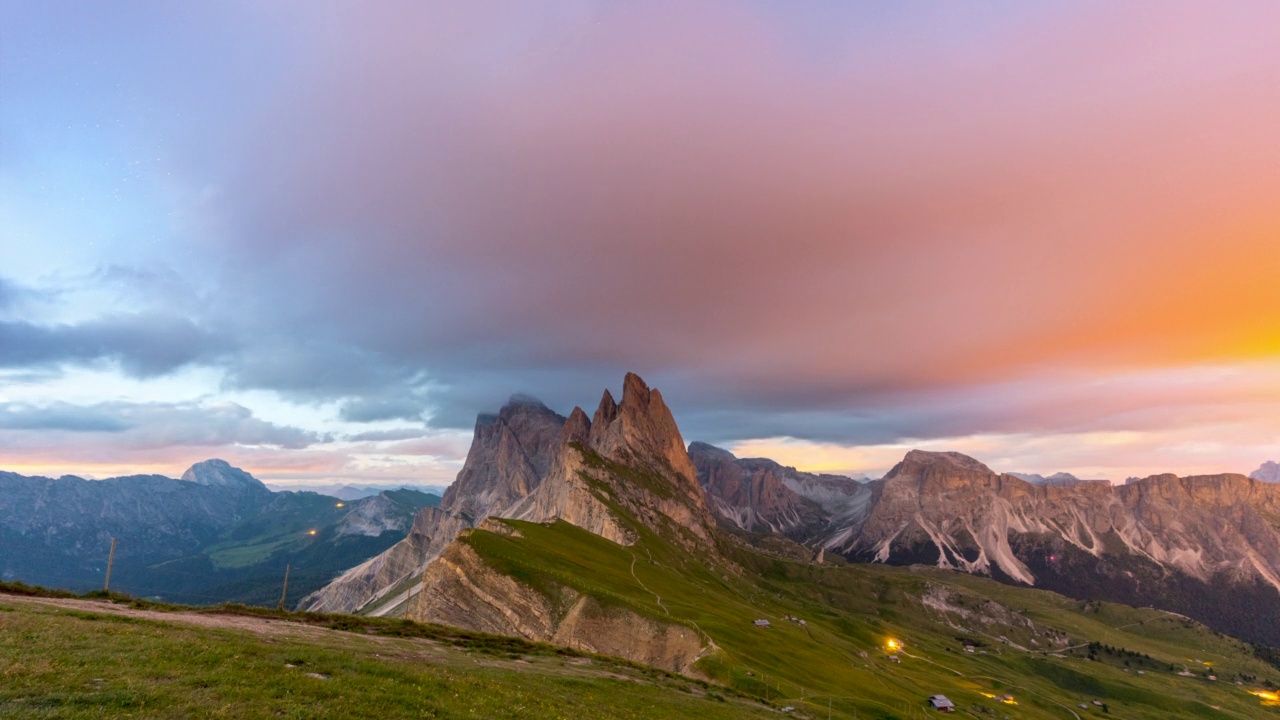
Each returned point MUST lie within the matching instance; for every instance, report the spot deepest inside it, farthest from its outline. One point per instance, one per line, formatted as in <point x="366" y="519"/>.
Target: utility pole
<point x="111" y="558"/>
<point x="285" y="589"/>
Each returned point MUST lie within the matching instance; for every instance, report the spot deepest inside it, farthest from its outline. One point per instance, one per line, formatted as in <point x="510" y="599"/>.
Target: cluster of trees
<point x="1128" y="657"/>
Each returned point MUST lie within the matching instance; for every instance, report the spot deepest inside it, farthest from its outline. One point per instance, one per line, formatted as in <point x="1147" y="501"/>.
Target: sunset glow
<point x="318" y="244"/>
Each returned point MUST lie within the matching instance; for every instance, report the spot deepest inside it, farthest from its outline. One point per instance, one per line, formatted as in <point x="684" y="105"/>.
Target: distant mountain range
<point x="355" y="491"/>
<point x="1207" y="547"/>
<point x="217" y="534"/>
<point x="1061" y="479"/>
<point x="1269" y="472"/>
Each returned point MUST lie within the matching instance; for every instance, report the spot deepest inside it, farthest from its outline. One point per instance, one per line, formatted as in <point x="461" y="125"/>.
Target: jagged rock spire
<point x="640" y="426"/>
<point x="577" y="428"/>
<point x="606" y="413"/>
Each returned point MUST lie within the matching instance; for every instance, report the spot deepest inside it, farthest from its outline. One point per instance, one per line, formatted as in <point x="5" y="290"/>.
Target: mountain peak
<point x="577" y="428"/>
<point x="634" y="389"/>
<point x="944" y="459"/>
<point x="701" y="448"/>
<point x="220" y="473"/>
<point x="606" y="411"/>
<point x="642" y="425"/>
<point x="521" y="400"/>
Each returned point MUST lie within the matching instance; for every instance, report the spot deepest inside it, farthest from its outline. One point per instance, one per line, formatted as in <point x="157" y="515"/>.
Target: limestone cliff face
<point x="459" y="589"/>
<point x="623" y="471"/>
<point x="643" y="428"/>
<point x="511" y="454"/>
<point x="530" y="463"/>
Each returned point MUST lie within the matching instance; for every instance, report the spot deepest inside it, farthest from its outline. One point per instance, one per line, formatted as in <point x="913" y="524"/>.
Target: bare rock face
<point x="374" y="515"/>
<point x="642" y="426"/>
<point x="459" y="589"/>
<point x="530" y="463"/>
<point x="612" y="631"/>
<point x="511" y="453"/>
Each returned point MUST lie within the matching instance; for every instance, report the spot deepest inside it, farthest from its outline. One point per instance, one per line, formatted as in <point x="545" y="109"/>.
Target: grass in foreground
<point x="77" y="662"/>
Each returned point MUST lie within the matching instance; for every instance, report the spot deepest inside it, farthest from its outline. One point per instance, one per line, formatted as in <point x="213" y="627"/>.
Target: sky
<point x="318" y="238"/>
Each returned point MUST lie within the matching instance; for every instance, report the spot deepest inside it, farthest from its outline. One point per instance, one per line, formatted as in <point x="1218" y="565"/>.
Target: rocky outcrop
<point x="459" y="589"/>
<point x="643" y="428"/>
<point x="591" y="627"/>
<point x="1268" y="472"/>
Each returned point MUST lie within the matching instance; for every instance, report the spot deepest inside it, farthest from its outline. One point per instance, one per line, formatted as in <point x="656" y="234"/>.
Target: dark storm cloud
<point x="375" y="409"/>
<point x="144" y="345"/>
<point x="148" y="425"/>
<point x="61" y="416"/>
<point x="387" y="435"/>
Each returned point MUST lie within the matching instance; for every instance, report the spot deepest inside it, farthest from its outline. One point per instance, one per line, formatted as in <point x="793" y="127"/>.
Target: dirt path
<point x="656" y="596"/>
<point x="258" y="625"/>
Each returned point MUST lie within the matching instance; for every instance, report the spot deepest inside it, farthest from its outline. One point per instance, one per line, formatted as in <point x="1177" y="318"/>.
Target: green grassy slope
<point x="837" y="661"/>
<point x="93" y="662"/>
